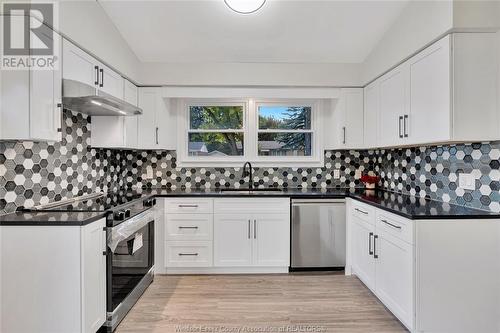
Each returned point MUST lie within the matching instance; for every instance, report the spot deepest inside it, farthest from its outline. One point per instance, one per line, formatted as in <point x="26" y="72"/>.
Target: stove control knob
<point x="148" y="203"/>
<point x="127" y="212"/>
<point x="119" y="215"/>
<point x="154" y="201"/>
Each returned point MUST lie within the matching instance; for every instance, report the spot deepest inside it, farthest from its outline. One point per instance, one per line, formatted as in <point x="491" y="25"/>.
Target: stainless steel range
<point x="130" y="250"/>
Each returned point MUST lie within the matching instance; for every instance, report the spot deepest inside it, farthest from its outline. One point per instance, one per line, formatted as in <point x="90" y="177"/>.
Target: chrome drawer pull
<point x="392" y="225"/>
<point x="182" y="227"/>
<point x="188" y="206"/>
<point x="188" y="254"/>
<point x="359" y="210"/>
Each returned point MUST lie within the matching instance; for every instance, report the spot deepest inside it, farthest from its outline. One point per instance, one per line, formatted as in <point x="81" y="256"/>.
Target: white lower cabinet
<point x="381" y="255"/>
<point x="60" y="278"/>
<point x="394" y="276"/>
<point x="227" y="235"/>
<point x="362" y="252"/>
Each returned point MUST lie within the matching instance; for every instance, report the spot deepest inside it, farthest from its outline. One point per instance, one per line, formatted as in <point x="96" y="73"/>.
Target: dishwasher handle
<point x="296" y="203"/>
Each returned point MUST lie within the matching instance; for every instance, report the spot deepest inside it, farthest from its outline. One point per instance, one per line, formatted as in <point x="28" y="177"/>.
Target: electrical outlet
<point x="336" y="174"/>
<point x="357" y="174"/>
<point x="149" y="172"/>
<point x="466" y="181"/>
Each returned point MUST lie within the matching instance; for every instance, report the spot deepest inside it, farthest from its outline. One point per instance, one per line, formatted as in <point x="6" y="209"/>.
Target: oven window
<point x="131" y="261"/>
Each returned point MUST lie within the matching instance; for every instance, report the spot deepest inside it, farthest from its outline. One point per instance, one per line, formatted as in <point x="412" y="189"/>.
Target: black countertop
<point x="404" y="205"/>
<point x="50" y="218"/>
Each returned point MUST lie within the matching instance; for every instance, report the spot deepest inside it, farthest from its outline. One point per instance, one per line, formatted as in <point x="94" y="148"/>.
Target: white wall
<point x="476" y="15"/>
<point x="248" y="74"/>
<point x="420" y="23"/>
<point x="86" y="23"/>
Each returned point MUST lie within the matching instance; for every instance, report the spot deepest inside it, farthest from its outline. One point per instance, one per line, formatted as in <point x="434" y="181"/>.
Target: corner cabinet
<point x="227" y="235"/>
<point x="416" y="268"/>
<point x="348" y="119"/>
<point x="157" y="125"/>
<point x="59" y="274"/>
<point x="30" y="101"/>
<point x="445" y="93"/>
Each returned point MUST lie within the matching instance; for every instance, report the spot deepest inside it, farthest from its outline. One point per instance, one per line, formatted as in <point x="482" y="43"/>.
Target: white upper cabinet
<point x="117" y="131"/>
<point x="78" y="65"/>
<point x="445" y="93"/>
<point x="371" y="114"/>
<point x="393" y="107"/>
<point x="30" y="101"/>
<point x="430" y="94"/>
<point x="348" y="119"/>
<point x="157" y="124"/>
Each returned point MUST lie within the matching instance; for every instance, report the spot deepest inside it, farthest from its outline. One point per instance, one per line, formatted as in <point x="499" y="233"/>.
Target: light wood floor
<point x="258" y="303"/>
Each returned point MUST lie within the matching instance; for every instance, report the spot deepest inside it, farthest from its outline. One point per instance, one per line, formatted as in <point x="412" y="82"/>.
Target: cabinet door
<point x="394" y="276"/>
<point x="146" y="123"/>
<point x="353" y="133"/>
<point x="232" y="240"/>
<point x="46" y="101"/>
<point x="371" y="114"/>
<point x="130" y="95"/>
<point x="362" y="262"/>
<point x="392" y="107"/>
<point x="430" y="94"/>
<point x="79" y="65"/>
<point x="271" y="237"/>
<point x="93" y="276"/>
<point x="110" y="81"/>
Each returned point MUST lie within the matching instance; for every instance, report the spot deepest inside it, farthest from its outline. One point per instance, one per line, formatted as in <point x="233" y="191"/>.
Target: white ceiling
<point x="284" y="31"/>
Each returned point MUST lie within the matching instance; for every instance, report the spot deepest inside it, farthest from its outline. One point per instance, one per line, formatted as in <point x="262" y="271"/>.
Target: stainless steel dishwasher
<point x="318" y="234"/>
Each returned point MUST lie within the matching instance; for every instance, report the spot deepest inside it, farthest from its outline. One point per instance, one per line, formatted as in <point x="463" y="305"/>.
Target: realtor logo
<point x="28" y="37"/>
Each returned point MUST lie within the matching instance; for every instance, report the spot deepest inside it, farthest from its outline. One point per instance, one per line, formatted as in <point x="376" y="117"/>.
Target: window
<point x="266" y="133"/>
<point x="284" y="130"/>
<point x="216" y="130"/>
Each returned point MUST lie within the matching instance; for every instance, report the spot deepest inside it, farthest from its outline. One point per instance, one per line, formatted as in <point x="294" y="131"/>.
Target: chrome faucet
<point x="248" y="173"/>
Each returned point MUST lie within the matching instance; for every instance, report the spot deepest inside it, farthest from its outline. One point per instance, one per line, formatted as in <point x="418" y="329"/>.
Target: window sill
<point x="261" y="164"/>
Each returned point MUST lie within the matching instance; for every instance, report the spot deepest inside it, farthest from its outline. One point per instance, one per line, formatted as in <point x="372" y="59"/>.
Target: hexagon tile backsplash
<point x="37" y="173"/>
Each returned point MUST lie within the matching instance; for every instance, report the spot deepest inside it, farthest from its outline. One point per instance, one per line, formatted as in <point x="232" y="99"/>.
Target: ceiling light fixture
<point x="245" y="6"/>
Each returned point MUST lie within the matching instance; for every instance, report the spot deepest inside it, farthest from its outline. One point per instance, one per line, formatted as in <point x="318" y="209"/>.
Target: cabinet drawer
<point x="189" y="206"/>
<point x="181" y="227"/>
<point x="363" y="211"/>
<point x="188" y="254"/>
<point x="251" y="205"/>
<point x="395" y="225"/>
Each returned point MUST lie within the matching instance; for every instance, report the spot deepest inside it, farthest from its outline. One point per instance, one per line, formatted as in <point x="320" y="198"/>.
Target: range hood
<point x="81" y="97"/>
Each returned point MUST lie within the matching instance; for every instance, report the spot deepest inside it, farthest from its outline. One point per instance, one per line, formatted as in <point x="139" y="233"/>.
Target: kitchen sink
<point x="247" y="190"/>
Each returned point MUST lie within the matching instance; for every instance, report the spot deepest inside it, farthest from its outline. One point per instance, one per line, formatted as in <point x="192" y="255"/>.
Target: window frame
<point x="250" y="132"/>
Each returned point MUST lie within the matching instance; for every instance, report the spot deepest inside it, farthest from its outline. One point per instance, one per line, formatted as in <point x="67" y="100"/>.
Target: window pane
<point x="215" y="144"/>
<point x="284" y="117"/>
<point x="216" y="117"/>
<point x="285" y="144"/>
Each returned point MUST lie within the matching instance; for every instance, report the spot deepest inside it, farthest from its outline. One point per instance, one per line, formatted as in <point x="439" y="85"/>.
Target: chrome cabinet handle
<point x="254" y="229"/>
<point x="400" y="127"/>
<point x="188" y="206"/>
<point x="375" y="255"/>
<point x="392" y="225"/>
<point x="405" y="121"/>
<point x="102" y="77"/>
<point x="361" y="211"/>
<point x="104" y="252"/>
<point x="96" y="75"/>
<point x="183" y="227"/>
<point x="249" y="229"/>
<point x="343" y="141"/>
<point x="59" y="122"/>
<point x="370" y="251"/>
<point x="156" y="133"/>
<point x="188" y="254"/>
